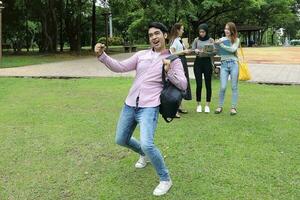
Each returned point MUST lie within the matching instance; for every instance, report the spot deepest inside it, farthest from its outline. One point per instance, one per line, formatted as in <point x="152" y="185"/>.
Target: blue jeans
<point x="147" y="119"/>
<point x="229" y="67"/>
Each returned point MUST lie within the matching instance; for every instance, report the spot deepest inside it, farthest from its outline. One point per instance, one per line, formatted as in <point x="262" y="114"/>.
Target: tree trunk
<point x="53" y="27"/>
<point x="49" y="29"/>
<point x="61" y="26"/>
<point x="73" y="26"/>
<point x="262" y="36"/>
<point x="27" y="35"/>
<point x="94" y="25"/>
<point x="273" y="37"/>
<point x="26" y="27"/>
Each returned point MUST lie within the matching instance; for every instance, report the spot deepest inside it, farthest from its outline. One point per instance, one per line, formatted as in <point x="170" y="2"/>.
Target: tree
<point x="94" y="25"/>
<point x="73" y="22"/>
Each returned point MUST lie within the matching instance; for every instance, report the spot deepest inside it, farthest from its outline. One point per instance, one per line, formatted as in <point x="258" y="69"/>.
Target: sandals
<point x="180" y="110"/>
<point x="218" y="110"/>
<point x="233" y="111"/>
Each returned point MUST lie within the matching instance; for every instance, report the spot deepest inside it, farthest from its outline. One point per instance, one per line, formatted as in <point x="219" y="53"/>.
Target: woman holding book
<point x="177" y="47"/>
<point x="227" y="49"/>
<point x="203" y="65"/>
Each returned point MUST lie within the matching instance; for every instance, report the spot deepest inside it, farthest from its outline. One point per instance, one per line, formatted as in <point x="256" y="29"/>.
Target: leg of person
<point x="125" y="128"/>
<point x="224" y="73"/>
<point x="198" y="77"/>
<point x="148" y="118"/>
<point x="234" y="86"/>
<point x="207" y="78"/>
<point x="187" y="94"/>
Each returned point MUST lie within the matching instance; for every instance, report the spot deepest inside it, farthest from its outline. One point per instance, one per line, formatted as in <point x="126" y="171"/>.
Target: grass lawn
<point x="57" y="142"/>
<point x="32" y="58"/>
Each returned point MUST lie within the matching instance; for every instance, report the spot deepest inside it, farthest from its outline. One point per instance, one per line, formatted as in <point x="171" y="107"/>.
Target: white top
<point x="177" y="45"/>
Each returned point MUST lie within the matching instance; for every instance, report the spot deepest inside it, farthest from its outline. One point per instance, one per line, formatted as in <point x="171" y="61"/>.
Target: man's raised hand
<point x="99" y="49"/>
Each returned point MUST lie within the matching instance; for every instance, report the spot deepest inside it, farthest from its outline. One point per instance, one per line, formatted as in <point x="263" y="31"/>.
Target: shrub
<point x="112" y="41"/>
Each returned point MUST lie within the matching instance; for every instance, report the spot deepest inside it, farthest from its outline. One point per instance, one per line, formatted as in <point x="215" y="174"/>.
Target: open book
<point x="222" y="51"/>
<point x="208" y="48"/>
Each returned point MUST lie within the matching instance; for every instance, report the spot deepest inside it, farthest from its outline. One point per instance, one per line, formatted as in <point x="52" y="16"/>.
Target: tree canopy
<point x="49" y="24"/>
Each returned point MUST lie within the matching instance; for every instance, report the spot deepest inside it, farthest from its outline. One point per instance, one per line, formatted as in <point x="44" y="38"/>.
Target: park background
<point x="57" y="130"/>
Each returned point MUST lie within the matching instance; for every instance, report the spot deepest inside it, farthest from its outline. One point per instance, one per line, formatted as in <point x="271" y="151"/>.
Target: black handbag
<point x="170" y="97"/>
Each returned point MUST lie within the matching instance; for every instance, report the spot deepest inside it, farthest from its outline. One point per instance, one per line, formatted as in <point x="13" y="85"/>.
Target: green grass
<point x="57" y="142"/>
<point x="32" y="58"/>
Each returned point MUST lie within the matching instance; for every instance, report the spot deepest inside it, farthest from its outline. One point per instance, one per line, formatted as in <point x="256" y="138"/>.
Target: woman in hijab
<point x="203" y="65"/>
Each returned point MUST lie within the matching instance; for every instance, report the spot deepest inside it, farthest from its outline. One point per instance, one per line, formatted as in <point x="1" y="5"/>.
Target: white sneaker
<point x="206" y="109"/>
<point x="162" y="188"/>
<point x="142" y="162"/>
<point x="199" y="109"/>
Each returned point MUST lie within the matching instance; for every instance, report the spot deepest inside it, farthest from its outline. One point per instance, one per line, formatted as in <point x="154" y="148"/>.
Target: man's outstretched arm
<point x="113" y="64"/>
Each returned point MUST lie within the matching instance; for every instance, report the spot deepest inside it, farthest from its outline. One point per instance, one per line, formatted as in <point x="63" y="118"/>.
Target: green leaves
<point x="131" y="17"/>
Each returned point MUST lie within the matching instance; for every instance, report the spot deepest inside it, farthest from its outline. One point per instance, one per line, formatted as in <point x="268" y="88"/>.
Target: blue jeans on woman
<point x="229" y="67"/>
<point x="147" y="119"/>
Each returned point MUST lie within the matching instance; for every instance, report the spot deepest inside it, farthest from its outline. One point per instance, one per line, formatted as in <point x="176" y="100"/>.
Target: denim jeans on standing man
<point x="229" y="67"/>
<point x="147" y="119"/>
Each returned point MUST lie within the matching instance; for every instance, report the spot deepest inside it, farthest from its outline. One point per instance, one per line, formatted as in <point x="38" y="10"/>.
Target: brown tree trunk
<point x="53" y="27"/>
<point x="49" y="29"/>
<point x="73" y="25"/>
<point x="94" y="25"/>
<point x="61" y="39"/>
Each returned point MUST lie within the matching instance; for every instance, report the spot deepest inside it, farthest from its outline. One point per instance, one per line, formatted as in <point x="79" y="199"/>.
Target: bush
<point x="112" y="41"/>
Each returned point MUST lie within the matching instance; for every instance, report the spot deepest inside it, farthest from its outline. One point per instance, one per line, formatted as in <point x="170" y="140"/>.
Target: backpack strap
<point x="172" y="57"/>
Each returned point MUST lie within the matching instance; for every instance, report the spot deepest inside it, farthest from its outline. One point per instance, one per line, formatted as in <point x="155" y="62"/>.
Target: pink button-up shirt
<point x="148" y="79"/>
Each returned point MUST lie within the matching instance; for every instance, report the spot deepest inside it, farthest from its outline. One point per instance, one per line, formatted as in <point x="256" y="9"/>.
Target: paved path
<point x="90" y="67"/>
<point x="275" y="73"/>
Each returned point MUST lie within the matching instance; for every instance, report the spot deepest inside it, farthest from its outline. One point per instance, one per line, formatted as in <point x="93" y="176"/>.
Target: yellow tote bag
<point x="244" y="73"/>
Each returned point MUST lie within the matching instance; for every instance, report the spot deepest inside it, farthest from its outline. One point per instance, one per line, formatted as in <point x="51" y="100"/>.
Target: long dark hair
<point x="174" y="32"/>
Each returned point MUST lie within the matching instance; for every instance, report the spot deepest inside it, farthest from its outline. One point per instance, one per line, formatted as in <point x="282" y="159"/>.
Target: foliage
<point x="52" y="22"/>
<point x="112" y="40"/>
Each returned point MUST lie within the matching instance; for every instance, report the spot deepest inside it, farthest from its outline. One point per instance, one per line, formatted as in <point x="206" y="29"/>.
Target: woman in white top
<point x="177" y="47"/>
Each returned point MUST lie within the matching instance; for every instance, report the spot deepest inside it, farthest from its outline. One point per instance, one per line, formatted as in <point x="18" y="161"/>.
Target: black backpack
<point x="170" y="97"/>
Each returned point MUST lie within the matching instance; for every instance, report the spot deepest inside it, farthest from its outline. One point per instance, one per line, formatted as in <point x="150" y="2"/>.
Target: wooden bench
<point x="129" y="48"/>
<point x="216" y="60"/>
<point x="6" y="46"/>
